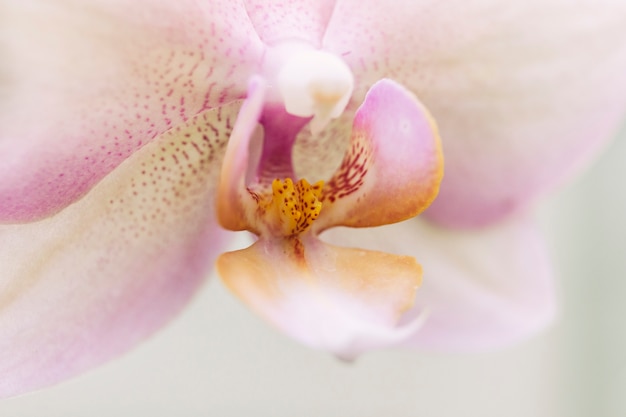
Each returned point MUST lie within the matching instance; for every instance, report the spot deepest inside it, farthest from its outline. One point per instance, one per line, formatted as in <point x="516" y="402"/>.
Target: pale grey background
<point x="217" y="359"/>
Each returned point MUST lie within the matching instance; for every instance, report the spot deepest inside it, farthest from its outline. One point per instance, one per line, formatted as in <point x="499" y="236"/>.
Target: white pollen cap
<point x="315" y="83"/>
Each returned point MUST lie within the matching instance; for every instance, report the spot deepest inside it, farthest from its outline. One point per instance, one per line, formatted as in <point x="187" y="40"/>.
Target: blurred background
<point x="217" y="359"/>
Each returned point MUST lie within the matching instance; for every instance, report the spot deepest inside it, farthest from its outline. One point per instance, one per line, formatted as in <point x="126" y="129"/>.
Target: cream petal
<point x="88" y="283"/>
<point x="83" y="85"/>
<point x="481" y="289"/>
<point x="524" y="93"/>
<point x="341" y="300"/>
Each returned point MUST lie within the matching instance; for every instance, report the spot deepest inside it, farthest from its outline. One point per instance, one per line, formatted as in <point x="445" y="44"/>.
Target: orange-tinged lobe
<point x="338" y="299"/>
<point x="393" y="166"/>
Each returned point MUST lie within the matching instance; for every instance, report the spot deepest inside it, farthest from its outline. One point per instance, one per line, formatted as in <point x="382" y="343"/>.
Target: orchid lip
<point x="289" y="276"/>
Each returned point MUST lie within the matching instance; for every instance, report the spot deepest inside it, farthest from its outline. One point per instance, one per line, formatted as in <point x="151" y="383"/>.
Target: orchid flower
<point x="135" y="137"/>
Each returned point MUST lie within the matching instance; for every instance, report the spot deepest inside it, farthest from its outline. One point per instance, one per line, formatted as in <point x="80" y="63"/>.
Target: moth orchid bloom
<point x="130" y="132"/>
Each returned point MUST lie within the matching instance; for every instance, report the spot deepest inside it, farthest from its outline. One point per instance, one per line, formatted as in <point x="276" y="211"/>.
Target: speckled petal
<point x="341" y="300"/>
<point x="394" y="165"/>
<point x="292" y="20"/>
<point x="524" y="93"/>
<point x="481" y="289"/>
<point x="83" y="85"/>
<point x="88" y="283"/>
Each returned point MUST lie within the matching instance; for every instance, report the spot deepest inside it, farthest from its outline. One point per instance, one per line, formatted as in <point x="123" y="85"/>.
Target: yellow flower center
<point x="292" y="208"/>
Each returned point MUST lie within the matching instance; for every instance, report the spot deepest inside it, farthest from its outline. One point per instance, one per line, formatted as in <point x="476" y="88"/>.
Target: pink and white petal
<point x="481" y="289"/>
<point x="393" y="167"/>
<point x="524" y="94"/>
<point x="83" y="85"/>
<point x="290" y="20"/>
<point x="88" y="283"/>
<point x="345" y="301"/>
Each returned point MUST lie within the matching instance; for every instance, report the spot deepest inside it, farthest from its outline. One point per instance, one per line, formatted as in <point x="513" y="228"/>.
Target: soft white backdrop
<point x="217" y="359"/>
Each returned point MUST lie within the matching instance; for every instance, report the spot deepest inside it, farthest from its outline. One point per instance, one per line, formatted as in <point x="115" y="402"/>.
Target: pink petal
<point x="481" y="289"/>
<point x="83" y="86"/>
<point x="341" y="300"/>
<point x="88" y="283"/>
<point x="393" y="167"/>
<point x="524" y="94"/>
<point x="303" y="20"/>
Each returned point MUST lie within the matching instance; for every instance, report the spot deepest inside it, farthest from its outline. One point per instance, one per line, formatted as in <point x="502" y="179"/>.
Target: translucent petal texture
<point x="85" y="84"/>
<point x="523" y="93"/>
<point x="393" y="167"/>
<point x="88" y="283"/>
<point x="481" y="289"/>
<point x="341" y="300"/>
<point x="280" y="20"/>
